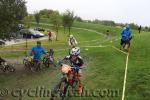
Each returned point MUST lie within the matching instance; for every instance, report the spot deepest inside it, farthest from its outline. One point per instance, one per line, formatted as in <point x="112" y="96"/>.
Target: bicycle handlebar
<point x="60" y="62"/>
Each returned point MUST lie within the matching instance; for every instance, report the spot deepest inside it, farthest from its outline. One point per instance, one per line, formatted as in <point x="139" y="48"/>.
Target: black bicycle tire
<point x="57" y="90"/>
<point x="10" y="68"/>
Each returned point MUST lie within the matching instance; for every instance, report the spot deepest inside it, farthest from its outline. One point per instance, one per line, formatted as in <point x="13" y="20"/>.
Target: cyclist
<point x="76" y="61"/>
<point x="72" y="42"/>
<point x="37" y="52"/>
<point x="126" y="37"/>
<point x="74" y="58"/>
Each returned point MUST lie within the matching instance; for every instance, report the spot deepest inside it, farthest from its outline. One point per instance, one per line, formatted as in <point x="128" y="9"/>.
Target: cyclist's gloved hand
<point x="76" y="68"/>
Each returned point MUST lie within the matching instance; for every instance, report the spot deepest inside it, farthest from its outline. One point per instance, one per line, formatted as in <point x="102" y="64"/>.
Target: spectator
<point x="139" y="28"/>
<point x="50" y="35"/>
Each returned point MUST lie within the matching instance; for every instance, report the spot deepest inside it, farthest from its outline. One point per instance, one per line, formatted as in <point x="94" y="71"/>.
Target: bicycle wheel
<point x="2" y="67"/>
<point x="10" y="68"/>
<point x="33" y="67"/>
<point x="47" y="63"/>
<point x="39" y="66"/>
<point x="60" y="90"/>
<point x="77" y="86"/>
<point x="26" y="64"/>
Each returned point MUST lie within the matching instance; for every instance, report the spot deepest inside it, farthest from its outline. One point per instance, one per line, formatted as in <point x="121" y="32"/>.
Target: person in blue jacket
<point x="37" y="51"/>
<point x="126" y="36"/>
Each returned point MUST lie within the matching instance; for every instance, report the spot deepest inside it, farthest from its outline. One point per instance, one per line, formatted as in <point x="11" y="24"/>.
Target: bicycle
<point x="32" y="64"/>
<point x="4" y="66"/>
<point x="70" y="79"/>
<point x="49" y="60"/>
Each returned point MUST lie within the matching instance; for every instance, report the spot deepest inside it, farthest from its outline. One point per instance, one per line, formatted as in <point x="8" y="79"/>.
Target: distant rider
<point x="72" y="42"/>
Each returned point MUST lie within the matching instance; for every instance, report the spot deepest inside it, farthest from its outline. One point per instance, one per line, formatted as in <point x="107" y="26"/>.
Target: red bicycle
<point x="69" y="83"/>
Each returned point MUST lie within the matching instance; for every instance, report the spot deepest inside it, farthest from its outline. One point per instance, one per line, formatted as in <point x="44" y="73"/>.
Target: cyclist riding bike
<point x="37" y="52"/>
<point x="126" y="37"/>
<point x="72" y="42"/>
<point x="75" y="59"/>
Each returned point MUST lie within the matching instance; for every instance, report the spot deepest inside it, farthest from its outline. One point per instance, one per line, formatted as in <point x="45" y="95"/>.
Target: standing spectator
<point x="107" y="33"/>
<point x="139" y="28"/>
<point x="50" y="35"/>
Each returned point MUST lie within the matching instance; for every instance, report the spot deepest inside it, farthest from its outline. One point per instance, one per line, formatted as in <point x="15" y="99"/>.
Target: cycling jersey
<point x="37" y="51"/>
<point x="126" y="34"/>
<point x="78" y="62"/>
<point x="72" y="41"/>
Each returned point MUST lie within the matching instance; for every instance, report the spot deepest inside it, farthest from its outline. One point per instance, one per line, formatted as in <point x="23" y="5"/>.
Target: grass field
<point x="105" y="65"/>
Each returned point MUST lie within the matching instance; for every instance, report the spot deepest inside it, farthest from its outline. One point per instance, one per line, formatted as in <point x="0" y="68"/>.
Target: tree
<point x="11" y="14"/>
<point x="133" y="26"/>
<point x="37" y="17"/>
<point x="68" y="19"/>
<point x="56" y="21"/>
<point x="27" y="21"/>
<point x="46" y="13"/>
<point x="77" y="18"/>
<point x="64" y="21"/>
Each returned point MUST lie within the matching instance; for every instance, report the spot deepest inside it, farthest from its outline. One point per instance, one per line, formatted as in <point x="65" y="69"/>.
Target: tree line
<point x="65" y="19"/>
<point x="14" y="12"/>
<point x="11" y="14"/>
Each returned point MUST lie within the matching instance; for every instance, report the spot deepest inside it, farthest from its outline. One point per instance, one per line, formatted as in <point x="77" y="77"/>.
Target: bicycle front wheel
<point x="60" y="90"/>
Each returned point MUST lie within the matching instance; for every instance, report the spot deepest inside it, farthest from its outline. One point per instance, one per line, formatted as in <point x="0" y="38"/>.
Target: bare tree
<point x="56" y="21"/>
<point x="68" y="19"/>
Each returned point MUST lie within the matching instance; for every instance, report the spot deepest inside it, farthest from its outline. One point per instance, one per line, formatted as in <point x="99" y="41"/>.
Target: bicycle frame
<point x="69" y="79"/>
<point x="73" y="76"/>
<point x="32" y="64"/>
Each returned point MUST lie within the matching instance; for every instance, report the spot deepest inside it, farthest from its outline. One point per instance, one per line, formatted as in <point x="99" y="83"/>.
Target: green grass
<point x="60" y="44"/>
<point x="97" y="27"/>
<point x="105" y="66"/>
<point x="138" y="85"/>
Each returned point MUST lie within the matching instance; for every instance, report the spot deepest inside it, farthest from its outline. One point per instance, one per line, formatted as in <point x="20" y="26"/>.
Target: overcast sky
<point x="136" y="11"/>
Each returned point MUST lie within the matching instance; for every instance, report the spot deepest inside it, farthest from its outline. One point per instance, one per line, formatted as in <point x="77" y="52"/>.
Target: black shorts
<point x="125" y="41"/>
<point x="122" y="42"/>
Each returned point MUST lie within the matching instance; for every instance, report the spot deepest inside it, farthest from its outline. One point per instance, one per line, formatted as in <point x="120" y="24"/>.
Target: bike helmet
<point x="75" y="51"/>
<point x="65" y="68"/>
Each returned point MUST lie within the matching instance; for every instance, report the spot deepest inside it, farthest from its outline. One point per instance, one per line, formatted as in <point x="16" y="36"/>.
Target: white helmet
<point x="75" y="51"/>
<point x="71" y="36"/>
